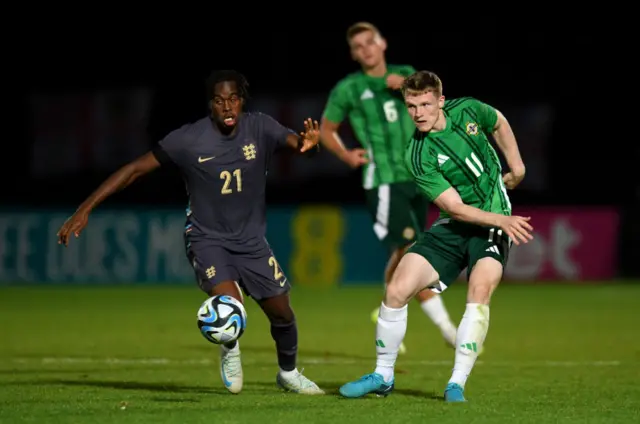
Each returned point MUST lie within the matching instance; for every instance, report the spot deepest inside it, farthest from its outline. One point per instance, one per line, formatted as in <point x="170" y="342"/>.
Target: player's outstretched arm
<point x="516" y="227"/>
<point x="307" y="139"/>
<point x="331" y="140"/>
<point x="116" y="182"/>
<point x="506" y="141"/>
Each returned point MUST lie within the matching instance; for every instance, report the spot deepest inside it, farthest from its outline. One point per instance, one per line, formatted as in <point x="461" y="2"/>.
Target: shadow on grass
<point x="160" y="387"/>
<point x="332" y="388"/>
<point x="271" y="350"/>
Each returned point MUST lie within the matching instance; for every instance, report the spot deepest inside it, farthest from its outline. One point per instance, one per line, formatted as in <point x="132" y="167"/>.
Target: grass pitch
<point x="561" y="354"/>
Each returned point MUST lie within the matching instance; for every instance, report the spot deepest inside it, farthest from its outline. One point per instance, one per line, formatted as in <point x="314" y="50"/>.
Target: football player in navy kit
<point x="224" y="160"/>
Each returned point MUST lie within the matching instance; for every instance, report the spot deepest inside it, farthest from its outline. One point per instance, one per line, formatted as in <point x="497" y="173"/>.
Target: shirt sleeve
<point x="337" y="107"/>
<point x="425" y="171"/>
<point x="487" y="115"/>
<point x="170" y="149"/>
<point x="275" y="133"/>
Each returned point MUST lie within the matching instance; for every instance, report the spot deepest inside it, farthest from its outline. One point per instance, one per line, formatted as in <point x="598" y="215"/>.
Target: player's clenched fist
<point x="74" y="225"/>
<point x="513" y="178"/>
<point x="355" y="157"/>
<point x="394" y="81"/>
<point x="517" y="228"/>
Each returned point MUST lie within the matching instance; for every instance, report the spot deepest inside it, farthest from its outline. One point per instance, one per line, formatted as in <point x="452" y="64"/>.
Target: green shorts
<point x="399" y="213"/>
<point x="452" y="246"/>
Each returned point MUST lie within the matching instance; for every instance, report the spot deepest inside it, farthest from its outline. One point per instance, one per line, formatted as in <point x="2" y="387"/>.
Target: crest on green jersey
<point x="472" y="128"/>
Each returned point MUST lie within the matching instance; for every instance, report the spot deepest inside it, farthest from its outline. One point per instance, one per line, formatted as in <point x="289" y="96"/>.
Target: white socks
<point x="471" y="334"/>
<point x="435" y="310"/>
<point x="390" y="330"/>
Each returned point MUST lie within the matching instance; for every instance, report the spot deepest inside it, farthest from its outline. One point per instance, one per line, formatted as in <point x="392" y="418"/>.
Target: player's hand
<point x="74" y="225"/>
<point x="310" y="136"/>
<point x="512" y="179"/>
<point x="394" y="81"/>
<point x="355" y="157"/>
<point x="517" y="228"/>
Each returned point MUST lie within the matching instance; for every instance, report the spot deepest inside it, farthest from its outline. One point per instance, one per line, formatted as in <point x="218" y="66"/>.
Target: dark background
<point x="512" y="64"/>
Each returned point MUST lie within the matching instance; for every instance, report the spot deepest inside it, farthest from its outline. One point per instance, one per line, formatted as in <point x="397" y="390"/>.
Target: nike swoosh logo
<point x="224" y="377"/>
<point x="201" y="159"/>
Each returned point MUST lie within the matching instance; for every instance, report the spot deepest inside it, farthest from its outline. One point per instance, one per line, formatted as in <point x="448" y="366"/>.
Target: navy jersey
<point x="225" y="178"/>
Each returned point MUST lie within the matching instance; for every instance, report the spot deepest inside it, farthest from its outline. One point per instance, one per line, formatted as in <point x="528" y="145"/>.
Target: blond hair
<point x="359" y="27"/>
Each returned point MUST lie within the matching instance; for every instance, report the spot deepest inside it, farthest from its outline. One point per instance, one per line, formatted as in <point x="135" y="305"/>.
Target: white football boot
<point x="231" y="368"/>
<point x="294" y="381"/>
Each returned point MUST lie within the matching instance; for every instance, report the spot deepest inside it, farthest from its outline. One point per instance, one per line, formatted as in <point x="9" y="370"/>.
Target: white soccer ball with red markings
<point x="222" y="319"/>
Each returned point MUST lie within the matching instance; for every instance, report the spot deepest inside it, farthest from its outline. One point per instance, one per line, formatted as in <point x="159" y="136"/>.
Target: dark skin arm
<point x="120" y="179"/>
<point x="124" y="176"/>
<point x="307" y="139"/>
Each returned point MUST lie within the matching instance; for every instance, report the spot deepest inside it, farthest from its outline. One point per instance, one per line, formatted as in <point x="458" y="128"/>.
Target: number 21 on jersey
<point x="227" y="177"/>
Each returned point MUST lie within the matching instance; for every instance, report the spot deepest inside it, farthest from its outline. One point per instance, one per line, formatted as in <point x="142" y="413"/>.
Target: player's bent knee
<point x="227" y="288"/>
<point x="413" y="274"/>
<point x="484" y="279"/>
<point x="397" y="294"/>
<point x="278" y="310"/>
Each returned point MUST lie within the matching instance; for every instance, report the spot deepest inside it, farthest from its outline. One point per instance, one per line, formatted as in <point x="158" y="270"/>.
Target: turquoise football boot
<point x="370" y="383"/>
<point x="454" y="393"/>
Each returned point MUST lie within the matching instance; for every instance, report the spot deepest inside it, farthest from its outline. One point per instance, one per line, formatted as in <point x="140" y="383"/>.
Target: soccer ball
<point x="222" y="319"/>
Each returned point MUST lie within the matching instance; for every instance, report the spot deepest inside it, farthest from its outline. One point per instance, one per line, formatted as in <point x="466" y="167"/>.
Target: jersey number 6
<point x="390" y="111"/>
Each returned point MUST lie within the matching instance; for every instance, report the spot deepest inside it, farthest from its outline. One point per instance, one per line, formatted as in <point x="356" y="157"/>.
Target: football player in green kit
<point x="453" y="163"/>
<point x="372" y="101"/>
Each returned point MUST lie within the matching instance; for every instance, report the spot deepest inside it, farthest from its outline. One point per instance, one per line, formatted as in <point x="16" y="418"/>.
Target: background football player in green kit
<point x="453" y="163"/>
<point x="371" y="100"/>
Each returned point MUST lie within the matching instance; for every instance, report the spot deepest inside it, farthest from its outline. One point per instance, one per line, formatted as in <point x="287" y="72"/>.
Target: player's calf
<point x="433" y="307"/>
<point x="473" y="328"/>
<point x="392" y="264"/>
<point x="413" y="274"/>
<point x="285" y="334"/>
<point x="283" y="329"/>
<point x="484" y="280"/>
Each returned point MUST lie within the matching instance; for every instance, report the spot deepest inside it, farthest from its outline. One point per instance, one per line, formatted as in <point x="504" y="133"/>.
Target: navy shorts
<point x="258" y="273"/>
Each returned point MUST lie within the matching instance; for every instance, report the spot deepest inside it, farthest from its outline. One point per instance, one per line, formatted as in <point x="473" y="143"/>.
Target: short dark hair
<point x="227" y="75"/>
<point x="422" y="82"/>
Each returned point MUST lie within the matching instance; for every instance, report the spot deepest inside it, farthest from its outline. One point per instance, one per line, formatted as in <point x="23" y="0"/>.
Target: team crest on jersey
<point x="472" y="128"/>
<point x="249" y="151"/>
<point x="408" y="233"/>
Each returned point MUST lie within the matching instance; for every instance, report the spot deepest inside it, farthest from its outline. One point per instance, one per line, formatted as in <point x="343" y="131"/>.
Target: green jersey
<point x="460" y="156"/>
<point x="379" y="120"/>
